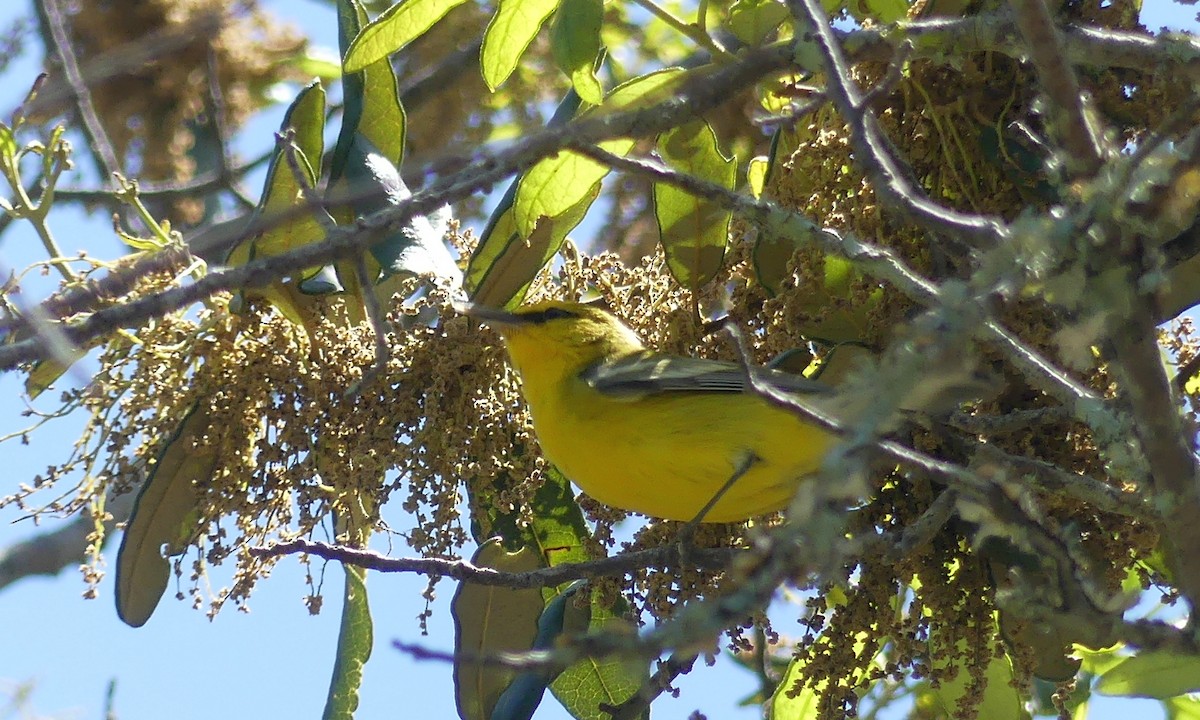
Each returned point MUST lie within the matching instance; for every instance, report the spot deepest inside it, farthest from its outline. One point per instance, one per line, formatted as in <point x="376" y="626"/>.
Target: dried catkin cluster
<point x="160" y="110"/>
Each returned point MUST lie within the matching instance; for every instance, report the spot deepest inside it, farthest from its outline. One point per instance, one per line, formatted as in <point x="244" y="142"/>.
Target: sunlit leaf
<point x="1000" y="699"/>
<point x="1152" y="673"/>
<point x="693" y="231"/>
<point x="1183" y="707"/>
<point x="756" y="175"/>
<point x="752" y="20"/>
<point x="575" y="42"/>
<point x="510" y="31"/>
<point x="556" y="185"/>
<point x="371" y="100"/>
<point x="502" y="264"/>
<point x="398" y="26"/>
<point x="788" y="703"/>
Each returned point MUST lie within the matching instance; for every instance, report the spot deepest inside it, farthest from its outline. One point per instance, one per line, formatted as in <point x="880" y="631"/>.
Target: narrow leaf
<point x="693" y="231"/>
<point x="488" y="620"/>
<point x="371" y="105"/>
<point x="502" y="265"/>
<point x="398" y="26"/>
<point x="575" y="42"/>
<point x="163" y="515"/>
<point x="355" y="639"/>
<point x="510" y="31"/>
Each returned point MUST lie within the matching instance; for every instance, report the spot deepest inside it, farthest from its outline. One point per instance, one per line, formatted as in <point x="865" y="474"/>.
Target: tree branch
<point x="692" y="99"/>
<point x="667" y="557"/>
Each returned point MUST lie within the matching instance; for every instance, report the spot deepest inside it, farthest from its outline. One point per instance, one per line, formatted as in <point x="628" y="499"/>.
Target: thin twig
<point x="874" y="260"/>
<point x="219" y="117"/>
<point x="694" y="33"/>
<point x="875" y="153"/>
<point x="98" y="138"/>
<point x="666" y="557"/>
<point x="692" y="98"/>
<point x="679" y="663"/>
<point x="1056" y="78"/>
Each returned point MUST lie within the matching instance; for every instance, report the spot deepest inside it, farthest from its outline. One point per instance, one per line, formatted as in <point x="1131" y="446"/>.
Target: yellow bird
<point x="653" y="433"/>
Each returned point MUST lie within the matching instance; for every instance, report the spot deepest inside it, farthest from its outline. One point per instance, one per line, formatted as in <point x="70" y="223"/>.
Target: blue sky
<point x="275" y="660"/>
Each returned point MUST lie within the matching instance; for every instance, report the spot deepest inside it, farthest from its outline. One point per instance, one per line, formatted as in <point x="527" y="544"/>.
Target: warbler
<point x="662" y="435"/>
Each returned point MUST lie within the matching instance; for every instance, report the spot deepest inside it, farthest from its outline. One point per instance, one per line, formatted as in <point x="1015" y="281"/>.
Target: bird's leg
<point x="685" y="533"/>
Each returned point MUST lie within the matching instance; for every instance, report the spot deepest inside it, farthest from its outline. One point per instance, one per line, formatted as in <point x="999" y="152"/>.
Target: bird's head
<point x="558" y="336"/>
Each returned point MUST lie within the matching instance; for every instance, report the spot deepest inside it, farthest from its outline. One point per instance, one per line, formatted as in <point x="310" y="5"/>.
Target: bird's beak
<point x="486" y="314"/>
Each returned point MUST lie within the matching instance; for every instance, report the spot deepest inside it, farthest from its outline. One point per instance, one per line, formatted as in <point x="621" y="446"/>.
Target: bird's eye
<point x="554" y="313"/>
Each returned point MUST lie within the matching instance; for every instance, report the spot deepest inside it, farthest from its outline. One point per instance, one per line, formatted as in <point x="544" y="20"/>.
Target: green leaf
<point x="592" y="683"/>
<point x="416" y="250"/>
<point x="756" y="174"/>
<point x="1098" y="662"/>
<point x="502" y="266"/>
<point x="558" y="526"/>
<point x="789" y="705"/>
<point x="43" y="375"/>
<point x="693" y="231"/>
<point x="282" y="190"/>
<point x="510" y="31"/>
<point x="8" y="146"/>
<point x="557" y="185"/>
<point x="752" y="20"/>
<point x="575" y="42"/>
<point x="1182" y="708"/>
<point x="165" y="514"/>
<point x="372" y="99"/>
<point x="355" y="639"/>
<point x="1152" y="673"/>
<point x="398" y="26"/>
<point x="489" y="620"/>
<point x="1000" y="700"/>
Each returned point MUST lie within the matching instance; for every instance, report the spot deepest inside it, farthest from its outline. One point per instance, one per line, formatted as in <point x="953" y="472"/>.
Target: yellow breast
<point x="667" y="455"/>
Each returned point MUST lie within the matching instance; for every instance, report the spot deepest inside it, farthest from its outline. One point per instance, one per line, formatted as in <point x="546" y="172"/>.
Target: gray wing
<point x="649" y="373"/>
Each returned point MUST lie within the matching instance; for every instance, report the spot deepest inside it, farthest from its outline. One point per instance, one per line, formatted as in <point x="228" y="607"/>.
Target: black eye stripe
<point x="547" y="315"/>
